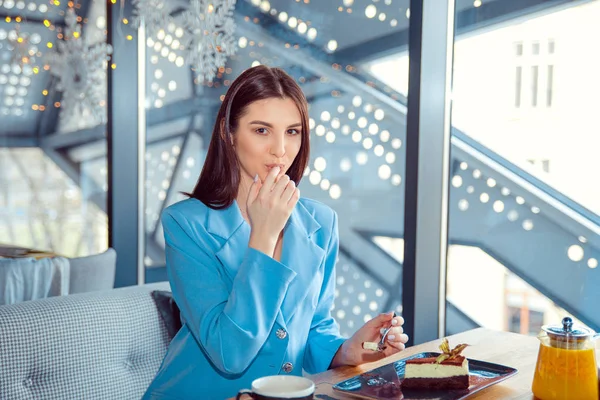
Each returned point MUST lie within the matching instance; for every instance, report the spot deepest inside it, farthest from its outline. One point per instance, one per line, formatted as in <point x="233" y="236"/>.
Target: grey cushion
<point x="93" y="273"/>
<point x="101" y="345"/>
<point x="169" y="311"/>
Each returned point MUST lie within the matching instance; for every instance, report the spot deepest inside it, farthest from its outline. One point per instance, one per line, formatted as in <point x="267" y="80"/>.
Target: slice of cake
<point x="426" y="373"/>
<point x="448" y="371"/>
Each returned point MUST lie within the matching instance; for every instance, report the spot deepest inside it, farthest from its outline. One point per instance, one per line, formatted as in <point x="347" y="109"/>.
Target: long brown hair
<point x="219" y="180"/>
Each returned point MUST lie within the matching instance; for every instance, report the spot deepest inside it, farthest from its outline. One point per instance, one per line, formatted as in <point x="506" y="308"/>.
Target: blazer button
<point x="281" y="333"/>
<point x="288" y="367"/>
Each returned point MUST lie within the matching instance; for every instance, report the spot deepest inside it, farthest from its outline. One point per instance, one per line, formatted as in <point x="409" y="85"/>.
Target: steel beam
<point x="315" y="66"/>
<point x="427" y="169"/>
<point x="467" y="21"/>
<point x="126" y="140"/>
<point x="180" y="109"/>
<point x="93" y="192"/>
<point x="18" y="141"/>
<point x="30" y="20"/>
<point x="73" y="139"/>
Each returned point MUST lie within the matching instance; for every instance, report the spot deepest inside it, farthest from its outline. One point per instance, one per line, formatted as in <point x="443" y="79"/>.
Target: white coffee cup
<point x="280" y="387"/>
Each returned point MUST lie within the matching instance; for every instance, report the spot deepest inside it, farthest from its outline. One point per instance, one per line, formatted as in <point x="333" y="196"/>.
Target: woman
<point x="250" y="262"/>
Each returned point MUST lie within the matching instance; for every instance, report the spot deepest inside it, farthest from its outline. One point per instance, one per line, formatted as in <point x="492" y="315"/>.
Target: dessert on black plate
<point x="448" y="371"/>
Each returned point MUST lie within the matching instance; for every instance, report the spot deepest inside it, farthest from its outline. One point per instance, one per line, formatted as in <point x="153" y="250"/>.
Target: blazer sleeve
<point x="230" y="327"/>
<point x="324" y="338"/>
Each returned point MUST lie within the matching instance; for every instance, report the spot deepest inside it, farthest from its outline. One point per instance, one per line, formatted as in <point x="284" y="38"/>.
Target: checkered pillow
<point x="102" y="345"/>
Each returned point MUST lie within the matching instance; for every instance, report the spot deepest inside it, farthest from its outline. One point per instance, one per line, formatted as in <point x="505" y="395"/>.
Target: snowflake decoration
<point x="80" y="70"/>
<point x="23" y="51"/>
<point x="211" y="39"/>
<point x="155" y="14"/>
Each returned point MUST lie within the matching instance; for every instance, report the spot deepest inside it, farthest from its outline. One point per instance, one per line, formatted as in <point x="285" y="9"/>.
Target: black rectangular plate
<point x="482" y="375"/>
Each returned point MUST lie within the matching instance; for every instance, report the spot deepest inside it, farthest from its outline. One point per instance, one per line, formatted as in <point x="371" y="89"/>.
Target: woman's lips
<point x="271" y="166"/>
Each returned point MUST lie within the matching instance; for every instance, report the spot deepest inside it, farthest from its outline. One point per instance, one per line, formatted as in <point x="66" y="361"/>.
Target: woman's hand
<point x="269" y="206"/>
<point x="352" y="353"/>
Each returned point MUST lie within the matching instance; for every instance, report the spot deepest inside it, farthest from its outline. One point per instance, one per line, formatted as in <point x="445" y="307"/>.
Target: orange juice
<point x="565" y="374"/>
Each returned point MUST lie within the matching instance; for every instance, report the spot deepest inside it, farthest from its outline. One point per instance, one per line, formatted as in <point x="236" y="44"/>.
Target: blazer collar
<point x="224" y="223"/>
<point x="300" y="251"/>
<point x="302" y="219"/>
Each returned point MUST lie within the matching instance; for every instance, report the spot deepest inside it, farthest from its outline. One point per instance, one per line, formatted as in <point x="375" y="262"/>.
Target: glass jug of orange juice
<point x="566" y="365"/>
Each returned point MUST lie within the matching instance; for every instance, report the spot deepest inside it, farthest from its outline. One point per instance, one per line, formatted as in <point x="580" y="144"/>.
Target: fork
<point x="378" y="346"/>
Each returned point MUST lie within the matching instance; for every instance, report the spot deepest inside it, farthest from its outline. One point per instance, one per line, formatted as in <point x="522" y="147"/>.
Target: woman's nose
<point x="278" y="147"/>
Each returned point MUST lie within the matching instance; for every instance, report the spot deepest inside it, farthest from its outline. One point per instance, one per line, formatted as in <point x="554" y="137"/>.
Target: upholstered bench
<point x="98" y="345"/>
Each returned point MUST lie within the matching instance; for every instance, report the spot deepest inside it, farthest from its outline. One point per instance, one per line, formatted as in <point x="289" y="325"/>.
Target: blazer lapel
<point x="301" y="254"/>
<point x="228" y="224"/>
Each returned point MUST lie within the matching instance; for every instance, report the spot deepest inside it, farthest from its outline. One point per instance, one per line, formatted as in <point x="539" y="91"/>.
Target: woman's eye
<point x="261" y="131"/>
<point x="293" y="132"/>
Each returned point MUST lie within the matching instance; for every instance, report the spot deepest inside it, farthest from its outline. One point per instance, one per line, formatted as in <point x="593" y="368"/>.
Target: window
<point x="549" y="85"/>
<point x="534" y="85"/>
<point x="524" y="320"/>
<point x="519" y="49"/>
<point x="518" y="79"/>
<point x="518" y="74"/>
<point x="534" y="70"/>
<point x="514" y="319"/>
<point x="493" y="106"/>
<point x="543" y="164"/>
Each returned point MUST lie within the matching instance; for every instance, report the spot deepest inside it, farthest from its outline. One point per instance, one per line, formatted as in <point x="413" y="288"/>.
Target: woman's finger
<point x="397" y="337"/>
<point x="287" y="194"/>
<point x="280" y="186"/>
<point x="382" y="320"/>
<point x="294" y="199"/>
<point x="254" y="189"/>
<point x="394" y="333"/>
<point x="269" y="182"/>
<point x="396" y="321"/>
<point x="397" y="345"/>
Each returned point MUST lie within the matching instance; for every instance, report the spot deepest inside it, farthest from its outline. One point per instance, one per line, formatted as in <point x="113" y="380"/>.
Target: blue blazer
<point x="246" y="315"/>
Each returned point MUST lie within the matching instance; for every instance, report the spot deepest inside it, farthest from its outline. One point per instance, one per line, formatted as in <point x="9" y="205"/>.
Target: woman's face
<point x="269" y="134"/>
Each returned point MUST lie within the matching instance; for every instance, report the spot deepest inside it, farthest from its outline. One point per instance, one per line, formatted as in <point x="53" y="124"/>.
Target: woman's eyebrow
<point x="261" y="123"/>
<point x="270" y="125"/>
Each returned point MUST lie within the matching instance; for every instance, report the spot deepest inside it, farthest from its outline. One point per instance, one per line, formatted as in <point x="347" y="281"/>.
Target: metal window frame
<point x="431" y="42"/>
<point x="126" y="145"/>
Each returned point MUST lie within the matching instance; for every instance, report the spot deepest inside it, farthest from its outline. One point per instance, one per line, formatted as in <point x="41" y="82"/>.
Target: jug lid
<point x="568" y="332"/>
